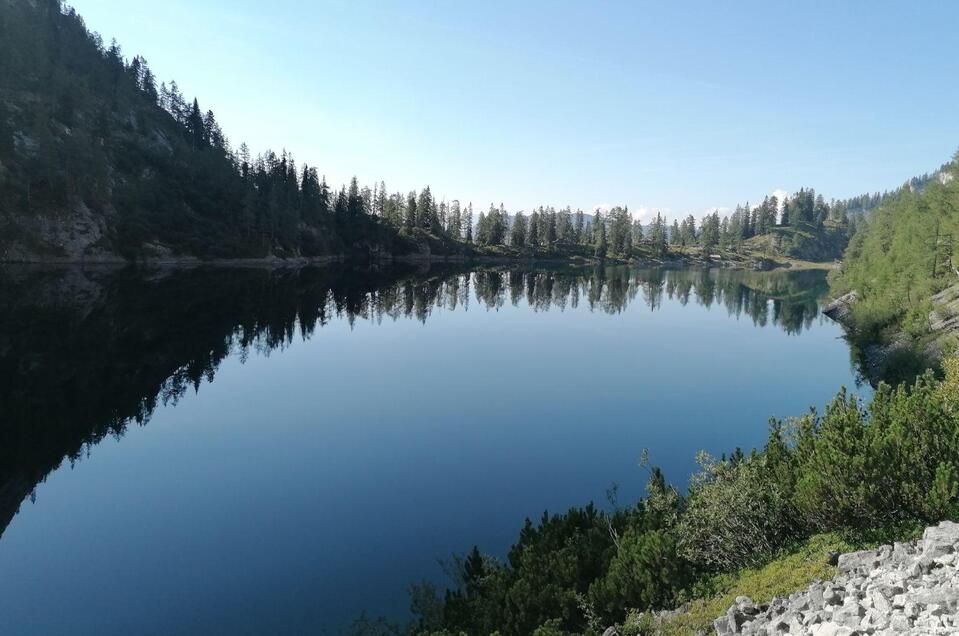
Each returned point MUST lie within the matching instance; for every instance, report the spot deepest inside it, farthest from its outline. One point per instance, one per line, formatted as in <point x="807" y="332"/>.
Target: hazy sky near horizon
<point x="676" y="106"/>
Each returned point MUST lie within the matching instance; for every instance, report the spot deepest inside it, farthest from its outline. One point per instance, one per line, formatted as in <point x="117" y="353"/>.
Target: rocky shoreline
<point x="875" y="354"/>
<point x="904" y="588"/>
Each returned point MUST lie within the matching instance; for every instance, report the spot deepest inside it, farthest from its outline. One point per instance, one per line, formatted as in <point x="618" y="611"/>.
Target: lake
<point x="275" y="451"/>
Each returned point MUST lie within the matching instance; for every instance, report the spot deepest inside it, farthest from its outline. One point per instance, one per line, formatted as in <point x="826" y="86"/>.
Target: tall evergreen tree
<point x="425" y="210"/>
<point x="409" y="219"/>
<point x="600" y="245"/>
<point x="469" y="223"/>
<point x="354" y="202"/>
<point x="518" y="231"/>
<point x="579" y="228"/>
<point x="194" y="124"/>
<point x="532" y="238"/>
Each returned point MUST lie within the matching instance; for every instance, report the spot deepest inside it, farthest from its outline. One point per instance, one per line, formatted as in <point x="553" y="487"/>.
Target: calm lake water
<point x="252" y="451"/>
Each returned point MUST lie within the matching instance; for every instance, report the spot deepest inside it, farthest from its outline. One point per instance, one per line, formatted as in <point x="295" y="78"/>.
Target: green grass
<point x="791" y="572"/>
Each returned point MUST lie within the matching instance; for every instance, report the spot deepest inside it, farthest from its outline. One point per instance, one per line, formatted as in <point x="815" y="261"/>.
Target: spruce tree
<point x="517" y="236"/>
<point x="194" y="125"/>
<point x="354" y="201"/>
<point x="409" y="219"/>
<point x="599" y="233"/>
<point x="425" y="212"/>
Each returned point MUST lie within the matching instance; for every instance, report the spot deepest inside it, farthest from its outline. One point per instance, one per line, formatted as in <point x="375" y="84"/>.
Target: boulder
<point x="841" y="308"/>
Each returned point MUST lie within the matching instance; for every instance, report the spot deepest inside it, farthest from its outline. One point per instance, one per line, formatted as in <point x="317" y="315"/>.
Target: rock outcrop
<point x="840" y="308"/>
<point x="944" y="321"/>
<point x="905" y="588"/>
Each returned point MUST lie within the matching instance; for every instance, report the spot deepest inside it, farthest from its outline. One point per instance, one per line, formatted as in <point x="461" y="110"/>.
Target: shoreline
<point x="894" y="347"/>
<point x="671" y="261"/>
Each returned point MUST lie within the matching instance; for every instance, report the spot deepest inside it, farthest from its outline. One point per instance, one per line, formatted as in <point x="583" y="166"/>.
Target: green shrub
<point x="551" y="628"/>
<point x="896" y="462"/>
<point x="916" y="321"/>
<point x="736" y="515"/>
<point x="871" y="315"/>
<point x="646" y="572"/>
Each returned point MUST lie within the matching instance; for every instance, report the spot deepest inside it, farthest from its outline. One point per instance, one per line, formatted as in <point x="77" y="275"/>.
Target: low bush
<point x="737" y="514"/>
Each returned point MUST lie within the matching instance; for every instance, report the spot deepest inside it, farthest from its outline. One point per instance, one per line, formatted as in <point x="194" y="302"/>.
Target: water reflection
<point x="788" y="300"/>
<point x="85" y="353"/>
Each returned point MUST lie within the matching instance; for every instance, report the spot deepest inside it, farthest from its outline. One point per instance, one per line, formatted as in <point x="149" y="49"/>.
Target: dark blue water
<point x="247" y="451"/>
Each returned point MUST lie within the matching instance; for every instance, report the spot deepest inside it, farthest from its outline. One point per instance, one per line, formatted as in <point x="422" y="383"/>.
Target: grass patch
<point x="791" y="572"/>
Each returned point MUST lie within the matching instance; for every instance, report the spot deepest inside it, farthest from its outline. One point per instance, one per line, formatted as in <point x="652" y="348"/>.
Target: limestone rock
<point x="906" y="588"/>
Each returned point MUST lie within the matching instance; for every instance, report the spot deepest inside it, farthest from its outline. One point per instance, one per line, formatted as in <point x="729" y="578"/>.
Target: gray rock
<point x="832" y="596"/>
<point x="879" y="602"/>
<point x="862" y="560"/>
<point x="721" y="625"/>
<point x="906" y="588"/>
<point x="940" y="540"/>
<point x="899" y="623"/>
<point x="841" y="308"/>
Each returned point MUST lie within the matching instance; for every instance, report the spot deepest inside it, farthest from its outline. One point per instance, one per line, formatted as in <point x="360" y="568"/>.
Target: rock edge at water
<point x="840" y="309"/>
<point x="905" y="588"/>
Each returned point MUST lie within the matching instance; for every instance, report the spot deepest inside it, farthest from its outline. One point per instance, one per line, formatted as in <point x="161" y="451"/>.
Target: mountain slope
<point x="904" y="269"/>
<point x="98" y="163"/>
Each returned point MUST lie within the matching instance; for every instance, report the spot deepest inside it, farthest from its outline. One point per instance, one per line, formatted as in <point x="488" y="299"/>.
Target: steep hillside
<point x="903" y="269"/>
<point x="97" y="162"/>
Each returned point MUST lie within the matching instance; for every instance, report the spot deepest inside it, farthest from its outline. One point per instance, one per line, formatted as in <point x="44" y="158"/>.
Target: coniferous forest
<point x="903" y="269"/>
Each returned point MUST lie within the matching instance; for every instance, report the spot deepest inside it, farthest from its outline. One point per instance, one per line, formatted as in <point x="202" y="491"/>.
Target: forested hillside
<point x="98" y="159"/>
<point x="903" y="266"/>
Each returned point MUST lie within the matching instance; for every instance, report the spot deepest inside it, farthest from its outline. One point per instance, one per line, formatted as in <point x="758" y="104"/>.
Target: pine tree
<point x="177" y="106"/>
<point x="379" y="200"/>
<point x="425" y="212"/>
<point x="469" y="223"/>
<point x="354" y="201"/>
<point x="599" y="234"/>
<point x="709" y="234"/>
<point x="212" y="134"/>
<point x="551" y="229"/>
<point x="532" y="238"/>
<point x="455" y="225"/>
<point x="148" y="84"/>
<point x="688" y="230"/>
<point x="517" y="236"/>
<point x="657" y="235"/>
<point x="409" y="220"/>
<point x="482" y="230"/>
<point x="564" y="226"/>
<point x="772" y="212"/>
<point x="195" y="127"/>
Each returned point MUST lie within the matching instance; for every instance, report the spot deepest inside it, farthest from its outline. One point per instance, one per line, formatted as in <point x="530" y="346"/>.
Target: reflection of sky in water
<point x="301" y="487"/>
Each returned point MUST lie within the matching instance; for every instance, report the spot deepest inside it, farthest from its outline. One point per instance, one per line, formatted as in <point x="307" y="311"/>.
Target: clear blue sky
<point x="678" y="106"/>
